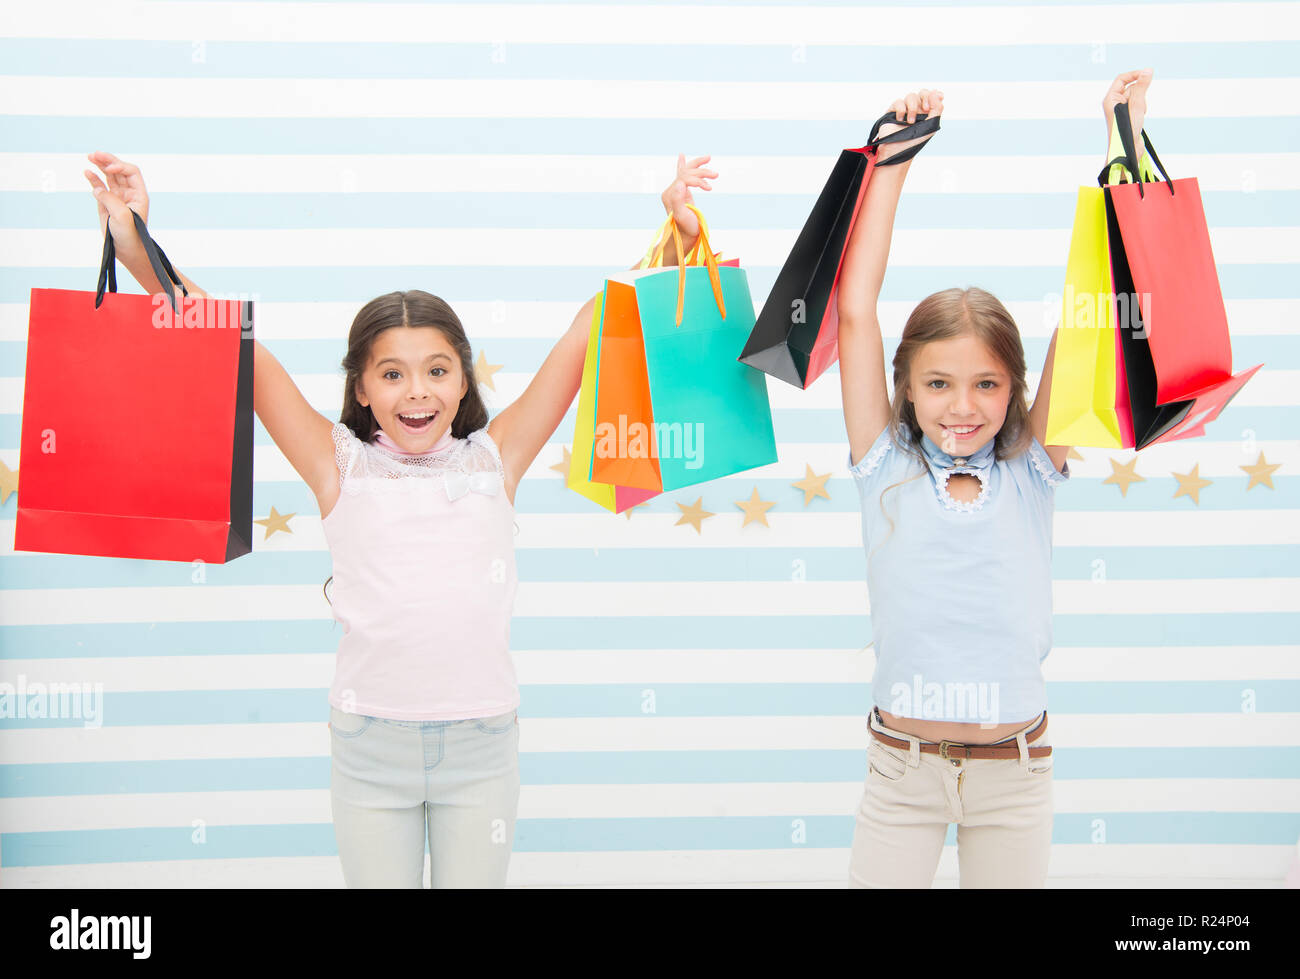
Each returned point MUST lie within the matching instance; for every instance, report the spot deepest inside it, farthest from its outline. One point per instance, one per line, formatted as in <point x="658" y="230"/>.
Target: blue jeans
<point x="392" y="782"/>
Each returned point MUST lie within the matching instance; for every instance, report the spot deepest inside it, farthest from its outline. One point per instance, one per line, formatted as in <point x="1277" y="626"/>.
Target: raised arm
<point x="299" y="430"/>
<point x="863" y="384"/>
<point x="522" y="428"/>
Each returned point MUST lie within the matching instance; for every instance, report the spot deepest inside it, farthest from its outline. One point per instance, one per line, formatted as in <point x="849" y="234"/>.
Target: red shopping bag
<point x="1175" y="368"/>
<point x="796" y="336"/>
<point x="137" y="427"/>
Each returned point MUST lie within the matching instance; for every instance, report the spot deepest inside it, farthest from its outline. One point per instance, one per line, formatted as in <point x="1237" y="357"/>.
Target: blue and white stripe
<point x="314" y="155"/>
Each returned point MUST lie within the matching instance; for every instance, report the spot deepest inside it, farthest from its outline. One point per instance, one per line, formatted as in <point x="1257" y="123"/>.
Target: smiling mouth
<point x="419" y="422"/>
<point x="962" y="435"/>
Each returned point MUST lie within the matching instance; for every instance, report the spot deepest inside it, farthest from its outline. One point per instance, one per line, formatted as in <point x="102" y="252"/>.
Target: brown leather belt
<point x="954" y="750"/>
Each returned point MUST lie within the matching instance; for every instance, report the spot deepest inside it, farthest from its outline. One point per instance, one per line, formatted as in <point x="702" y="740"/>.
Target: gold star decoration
<point x="1073" y="454"/>
<point x="1261" y="472"/>
<point x="628" y="512"/>
<point x="1191" y="483"/>
<point x="8" y="481"/>
<point x="276" y="521"/>
<point x="693" y="514"/>
<point x="483" y="371"/>
<point x="1123" y="475"/>
<point x="812" y="484"/>
<point x="563" y="467"/>
<point x="755" y="509"/>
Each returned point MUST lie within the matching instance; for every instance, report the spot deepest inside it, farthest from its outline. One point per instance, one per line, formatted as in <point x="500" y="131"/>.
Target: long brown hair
<point x="414" y="307"/>
<point x="944" y="316"/>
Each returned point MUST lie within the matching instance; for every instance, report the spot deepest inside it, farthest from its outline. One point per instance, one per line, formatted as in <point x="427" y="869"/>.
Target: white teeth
<point x="419" y="414"/>
<point x="962" y="431"/>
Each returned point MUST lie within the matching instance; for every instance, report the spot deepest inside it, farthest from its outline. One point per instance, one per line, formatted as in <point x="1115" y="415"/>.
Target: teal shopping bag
<point x="674" y="407"/>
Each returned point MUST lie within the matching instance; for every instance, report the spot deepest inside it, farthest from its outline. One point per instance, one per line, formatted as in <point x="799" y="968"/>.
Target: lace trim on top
<point x="467" y="457"/>
<point x="872" y="460"/>
<point x="1043" y="463"/>
<point x="963" y="506"/>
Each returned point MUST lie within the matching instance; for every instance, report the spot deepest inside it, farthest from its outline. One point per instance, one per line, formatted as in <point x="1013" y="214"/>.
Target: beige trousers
<point x="1002" y="808"/>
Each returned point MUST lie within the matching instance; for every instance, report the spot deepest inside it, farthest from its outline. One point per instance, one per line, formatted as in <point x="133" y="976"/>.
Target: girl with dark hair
<point x="960" y="572"/>
<point x="416" y="490"/>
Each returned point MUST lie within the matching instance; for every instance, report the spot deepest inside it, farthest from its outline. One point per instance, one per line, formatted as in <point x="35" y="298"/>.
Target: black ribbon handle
<point x="1130" y="157"/>
<point x="157" y="260"/>
<point x="923" y="126"/>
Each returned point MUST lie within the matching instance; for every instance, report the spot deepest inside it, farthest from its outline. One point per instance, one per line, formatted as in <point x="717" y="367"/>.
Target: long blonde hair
<point x="944" y="316"/>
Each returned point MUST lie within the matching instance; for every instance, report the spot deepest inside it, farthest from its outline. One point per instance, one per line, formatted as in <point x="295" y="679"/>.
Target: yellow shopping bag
<point x="1082" y="408"/>
<point x="614" y="498"/>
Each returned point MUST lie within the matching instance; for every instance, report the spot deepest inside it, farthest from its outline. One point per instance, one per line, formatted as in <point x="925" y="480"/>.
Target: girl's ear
<point x="361" y="395"/>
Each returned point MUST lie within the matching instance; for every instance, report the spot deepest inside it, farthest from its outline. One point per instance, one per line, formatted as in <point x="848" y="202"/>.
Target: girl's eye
<point x="442" y="371"/>
<point x="992" y="384"/>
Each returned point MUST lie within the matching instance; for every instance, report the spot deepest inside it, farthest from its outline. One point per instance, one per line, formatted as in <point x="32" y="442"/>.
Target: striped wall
<point x="693" y="703"/>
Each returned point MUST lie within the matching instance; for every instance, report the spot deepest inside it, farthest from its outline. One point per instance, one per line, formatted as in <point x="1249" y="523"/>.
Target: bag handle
<point x="1130" y="160"/>
<point x="710" y="260"/>
<point x="655" y="253"/>
<point x="157" y="261"/>
<point x="702" y="249"/>
<point x="1116" y="171"/>
<point x="924" y="125"/>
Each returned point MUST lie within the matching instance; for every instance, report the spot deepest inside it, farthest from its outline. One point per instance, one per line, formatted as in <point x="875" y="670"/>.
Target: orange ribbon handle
<point x="702" y="250"/>
<point x="709" y="259"/>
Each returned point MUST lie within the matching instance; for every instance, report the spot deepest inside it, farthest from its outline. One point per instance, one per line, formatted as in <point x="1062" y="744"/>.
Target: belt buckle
<point x="946" y="746"/>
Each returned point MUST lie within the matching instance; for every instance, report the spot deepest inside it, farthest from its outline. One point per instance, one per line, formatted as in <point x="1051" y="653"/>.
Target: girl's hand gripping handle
<point x="123" y="205"/>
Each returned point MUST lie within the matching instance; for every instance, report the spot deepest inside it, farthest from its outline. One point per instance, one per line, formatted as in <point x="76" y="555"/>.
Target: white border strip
<point x="51" y="814"/>
<point x="1248" y="665"/>
<point x="562" y="599"/>
<point x="477" y="98"/>
<point x="758" y="733"/>
<point x="357" y="248"/>
<point x="526" y="24"/>
<point x="1164" y="866"/>
<point x="168" y="173"/>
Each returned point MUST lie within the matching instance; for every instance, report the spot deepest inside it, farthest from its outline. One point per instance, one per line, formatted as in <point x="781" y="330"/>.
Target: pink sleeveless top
<point x="424" y="579"/>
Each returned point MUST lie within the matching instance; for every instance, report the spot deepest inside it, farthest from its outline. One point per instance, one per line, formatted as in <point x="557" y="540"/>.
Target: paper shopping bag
<point x="615" y="498"/>
<point x="1088" y="402"/>
<point x="1170" y="313"/>
<point x="609" y="496"/>
<point x="796" y="336"/>
<point x="137" y="427"/>
<point x="1082" y="408"/>
<point x="674" y="406"/>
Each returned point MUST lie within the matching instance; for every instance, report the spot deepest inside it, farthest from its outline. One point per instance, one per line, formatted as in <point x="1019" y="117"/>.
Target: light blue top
<point x="961" y="592"/>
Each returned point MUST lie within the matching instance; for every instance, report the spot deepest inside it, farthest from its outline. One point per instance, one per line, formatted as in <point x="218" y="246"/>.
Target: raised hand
<point x="1129" y="87"/>
<point x="928" y="101"/>
<point x="124" y="192"/>
<point x="678" y="195"/>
